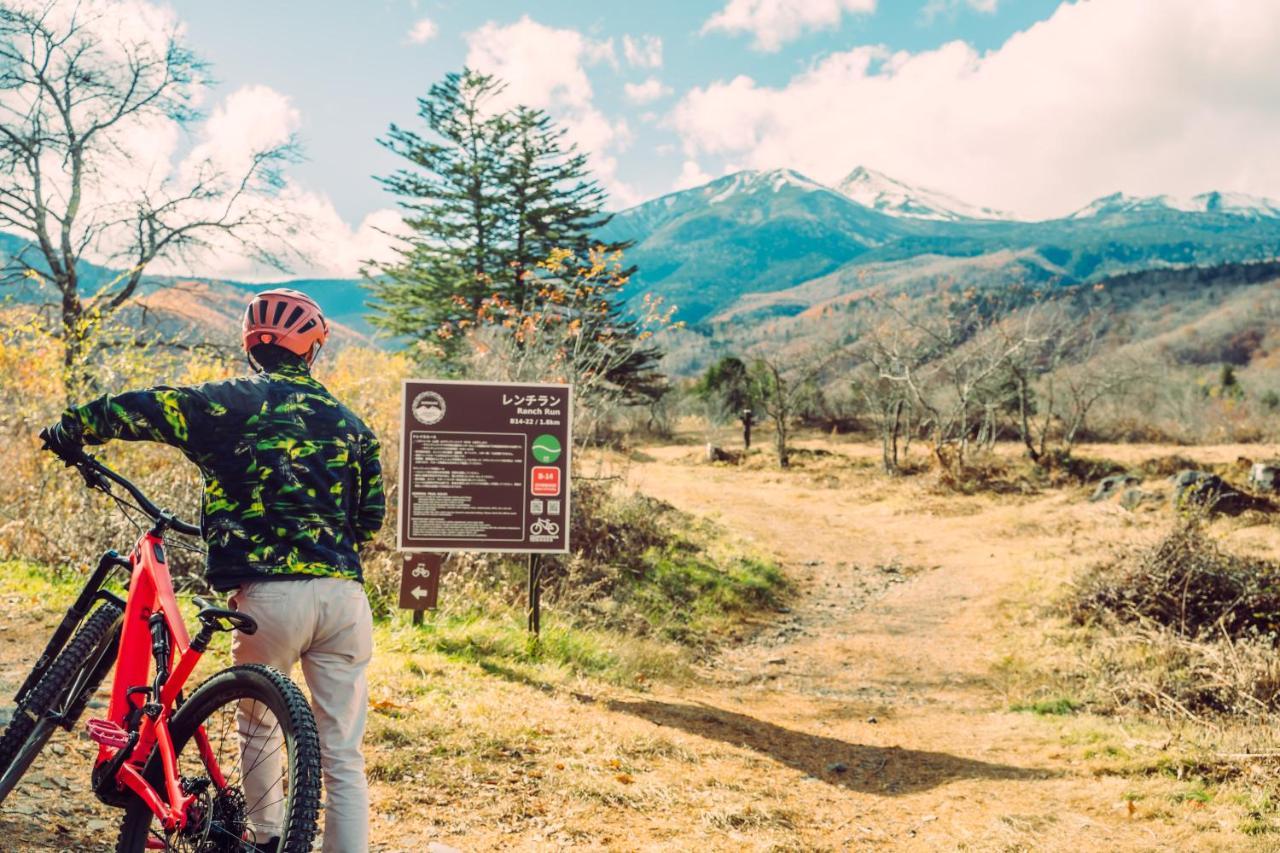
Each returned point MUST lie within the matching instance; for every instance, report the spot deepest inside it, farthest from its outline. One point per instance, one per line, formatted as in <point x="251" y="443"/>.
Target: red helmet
<point x="285" y="318"/>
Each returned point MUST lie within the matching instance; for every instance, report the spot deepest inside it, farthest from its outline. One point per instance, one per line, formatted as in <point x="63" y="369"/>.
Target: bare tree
<point x="1061" y="372"/>
<point x="77" y="93"/>
<point x="783" y="385"/>
<point x="947" y="361"/>
<point x="890" y="407"/>
<point x="1040" y="340"/>
<point x="1086" y="385"/>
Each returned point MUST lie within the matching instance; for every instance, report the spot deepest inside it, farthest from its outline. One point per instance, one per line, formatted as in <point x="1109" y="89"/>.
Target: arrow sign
<point x="420" y="581"/>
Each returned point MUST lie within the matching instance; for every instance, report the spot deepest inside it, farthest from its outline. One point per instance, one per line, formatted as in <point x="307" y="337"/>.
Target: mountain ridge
<point x="713" y="250"/>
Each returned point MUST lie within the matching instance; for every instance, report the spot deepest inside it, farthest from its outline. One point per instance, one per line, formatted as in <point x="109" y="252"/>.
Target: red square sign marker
<point x="546" y="481"/>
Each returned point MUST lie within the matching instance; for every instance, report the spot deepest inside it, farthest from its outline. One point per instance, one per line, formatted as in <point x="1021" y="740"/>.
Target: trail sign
<point x="420" y="581"/>
<point x="484" y="466"/>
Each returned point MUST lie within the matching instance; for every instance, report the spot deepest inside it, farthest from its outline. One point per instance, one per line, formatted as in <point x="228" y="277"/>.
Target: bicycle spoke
<point x="244" y="742"/>
<point x="263" y="758"/>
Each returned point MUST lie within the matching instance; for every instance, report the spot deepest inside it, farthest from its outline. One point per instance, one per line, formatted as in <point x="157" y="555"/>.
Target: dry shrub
<point x="1182" y="628"/>
<point x="1061" y="467"/>
<point x="987" y="472"/>
<point x="1186" y="583"/>
<point x="1167" y="466"/>
<point x="48" y="515"/>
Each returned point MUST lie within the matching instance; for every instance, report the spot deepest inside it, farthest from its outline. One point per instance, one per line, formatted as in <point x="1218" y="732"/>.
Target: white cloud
<point x="601" y="51"/>
<point x="327" y="247"/>
<point x="643" y="93"/>
<point x="251" y="119"/>
<point x="546" y="67"/>
<point x="691" y="175"/>
<point x="423" y="31"/>
<point x="775" y="22"/>
<point x="1102" y="96"/>
<point x="541" y="65"/>
<point x="643" y="51"/>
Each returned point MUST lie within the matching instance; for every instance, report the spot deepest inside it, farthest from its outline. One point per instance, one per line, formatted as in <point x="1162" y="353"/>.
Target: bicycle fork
<point x="92" y="591"/>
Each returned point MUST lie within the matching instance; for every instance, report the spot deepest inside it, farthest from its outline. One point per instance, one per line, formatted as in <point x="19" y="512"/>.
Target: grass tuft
<point x="1059" y="707"/>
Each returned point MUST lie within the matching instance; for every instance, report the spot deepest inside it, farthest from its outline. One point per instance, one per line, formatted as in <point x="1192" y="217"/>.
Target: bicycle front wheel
<point x="257" y="786"/>
<point x="60" y="694"/>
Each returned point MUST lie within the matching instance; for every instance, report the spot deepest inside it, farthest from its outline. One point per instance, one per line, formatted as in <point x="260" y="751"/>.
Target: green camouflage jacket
<point x="292" y="481"/>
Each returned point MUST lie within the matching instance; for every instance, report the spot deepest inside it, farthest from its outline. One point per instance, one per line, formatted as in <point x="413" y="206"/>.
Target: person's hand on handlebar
<point x="60" y="441"/>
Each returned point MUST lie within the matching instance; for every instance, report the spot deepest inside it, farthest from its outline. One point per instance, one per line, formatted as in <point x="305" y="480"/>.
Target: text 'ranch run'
<point x="534" y="405"/>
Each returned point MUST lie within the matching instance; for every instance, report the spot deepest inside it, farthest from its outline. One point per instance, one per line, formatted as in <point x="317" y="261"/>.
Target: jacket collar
<point x="291" y="370"/>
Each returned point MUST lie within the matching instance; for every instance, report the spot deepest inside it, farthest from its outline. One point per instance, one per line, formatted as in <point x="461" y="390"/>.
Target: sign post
<point x="535" y="594"/>
<point x="484" y="467"/>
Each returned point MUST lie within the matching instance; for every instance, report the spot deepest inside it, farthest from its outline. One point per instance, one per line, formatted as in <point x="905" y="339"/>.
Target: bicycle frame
<point x="153" y="634"/>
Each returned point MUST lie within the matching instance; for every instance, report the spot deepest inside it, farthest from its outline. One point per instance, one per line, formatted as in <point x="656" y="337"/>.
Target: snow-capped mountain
<point x="774" y="181"/>
<point x="887" y="195"/>
<point x="761" y="232"/>
<point x="747" y="231"/>
<point x="1230" y="204"/>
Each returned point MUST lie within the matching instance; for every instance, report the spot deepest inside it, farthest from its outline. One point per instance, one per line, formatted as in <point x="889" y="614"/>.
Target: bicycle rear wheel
<point x="262" y="736"/>
<point x="62" y="691"/>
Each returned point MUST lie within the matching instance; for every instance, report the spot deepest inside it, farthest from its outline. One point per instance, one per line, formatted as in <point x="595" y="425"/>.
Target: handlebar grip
<point x="71" y="457"/>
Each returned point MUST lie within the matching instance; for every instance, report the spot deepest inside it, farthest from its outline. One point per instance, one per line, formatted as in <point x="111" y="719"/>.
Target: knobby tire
<point x="31" y="726"/>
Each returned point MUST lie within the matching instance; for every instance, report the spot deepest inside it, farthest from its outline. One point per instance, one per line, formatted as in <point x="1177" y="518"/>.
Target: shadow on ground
<point x="891" y="771"/>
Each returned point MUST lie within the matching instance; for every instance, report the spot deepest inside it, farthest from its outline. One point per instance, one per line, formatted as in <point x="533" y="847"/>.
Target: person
<point x="292" y="489"/>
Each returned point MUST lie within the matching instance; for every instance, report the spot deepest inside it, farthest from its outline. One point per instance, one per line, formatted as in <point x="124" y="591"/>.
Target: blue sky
<point x="350" y="69"/>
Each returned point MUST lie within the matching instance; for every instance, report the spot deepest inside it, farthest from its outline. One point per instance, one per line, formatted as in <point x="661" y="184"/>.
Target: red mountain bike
<point x="235" y="766"/>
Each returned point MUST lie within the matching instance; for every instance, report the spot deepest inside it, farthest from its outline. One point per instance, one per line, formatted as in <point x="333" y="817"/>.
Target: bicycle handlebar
<point x="94" y="471"/>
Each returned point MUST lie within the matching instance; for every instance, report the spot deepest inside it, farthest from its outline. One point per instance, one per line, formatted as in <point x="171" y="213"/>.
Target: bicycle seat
<point x="222" y="619"/>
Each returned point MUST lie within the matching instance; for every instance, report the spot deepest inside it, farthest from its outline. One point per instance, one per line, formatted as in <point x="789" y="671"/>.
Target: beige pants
<point x="325" y="623"/>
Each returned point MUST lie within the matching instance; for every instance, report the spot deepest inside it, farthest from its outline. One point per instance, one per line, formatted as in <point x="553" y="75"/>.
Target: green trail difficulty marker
<point x="546" y="448"/>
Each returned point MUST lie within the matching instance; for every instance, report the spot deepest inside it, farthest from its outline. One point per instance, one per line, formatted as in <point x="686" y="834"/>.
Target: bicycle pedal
<point x="107" y="733"/>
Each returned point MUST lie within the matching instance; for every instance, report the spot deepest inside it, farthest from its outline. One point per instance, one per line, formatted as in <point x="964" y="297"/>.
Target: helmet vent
<point x="275" y="318"/>
<point x="307" y="326"/>
<point x="294" y="316"/>
<point x="262" y="310"/>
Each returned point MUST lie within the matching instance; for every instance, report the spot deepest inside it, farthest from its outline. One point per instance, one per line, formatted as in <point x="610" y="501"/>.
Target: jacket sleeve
<point x="175" y="416"/>
<point x="373" y="504"/>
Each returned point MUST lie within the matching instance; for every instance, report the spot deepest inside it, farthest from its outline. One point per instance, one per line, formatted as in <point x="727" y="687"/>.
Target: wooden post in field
<point x="535" y="594"/>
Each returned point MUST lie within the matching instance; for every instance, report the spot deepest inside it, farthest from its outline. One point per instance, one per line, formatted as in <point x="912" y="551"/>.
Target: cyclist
<point x="292" y="488"/>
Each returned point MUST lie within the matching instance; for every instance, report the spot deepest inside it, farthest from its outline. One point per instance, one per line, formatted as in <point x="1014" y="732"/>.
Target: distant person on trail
<point x="292" y="488"/>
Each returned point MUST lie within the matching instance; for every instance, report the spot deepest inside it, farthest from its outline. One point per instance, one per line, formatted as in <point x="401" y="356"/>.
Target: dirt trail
<point x="907" y="605"/>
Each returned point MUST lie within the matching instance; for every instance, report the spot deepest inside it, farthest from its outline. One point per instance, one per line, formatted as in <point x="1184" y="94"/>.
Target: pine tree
<point x="450" y="193"/>
<point x="491" y="195"/>
<point x="553" y="204"/>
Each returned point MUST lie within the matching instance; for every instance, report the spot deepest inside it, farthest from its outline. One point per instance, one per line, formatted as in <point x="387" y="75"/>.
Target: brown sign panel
<point x="485" y="467"/>
<point x="420" y="581"/>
